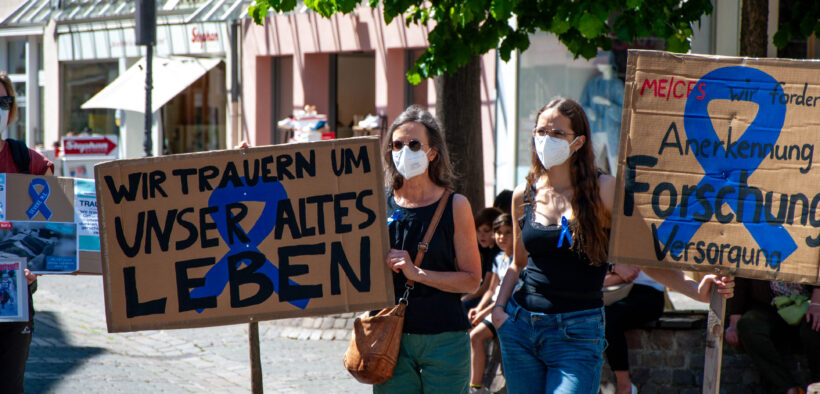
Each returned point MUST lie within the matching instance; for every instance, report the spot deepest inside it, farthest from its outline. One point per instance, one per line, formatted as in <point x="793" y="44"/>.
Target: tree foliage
<point x="804" y="22"/>
<point x="465" y="28"/>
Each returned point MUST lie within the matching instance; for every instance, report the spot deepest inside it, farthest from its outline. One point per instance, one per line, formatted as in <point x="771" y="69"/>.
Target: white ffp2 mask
<point x="410" y="164"/>
<point x="551" y="151"/>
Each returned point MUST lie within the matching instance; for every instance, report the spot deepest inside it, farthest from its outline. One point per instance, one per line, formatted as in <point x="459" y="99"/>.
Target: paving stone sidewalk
<point x="73" y="352"/>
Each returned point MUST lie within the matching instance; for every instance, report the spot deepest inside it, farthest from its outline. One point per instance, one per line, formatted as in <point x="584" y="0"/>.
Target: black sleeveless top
<point x="429" y="310"/>
<point x="556" y="279"/>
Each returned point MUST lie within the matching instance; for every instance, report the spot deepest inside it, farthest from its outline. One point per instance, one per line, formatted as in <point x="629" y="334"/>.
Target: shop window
<point x="282" y="100"/>
<point x="17" y="57"/>
<point x="83" y="81"/>
<point x="546" y="70"/>
<point x="17" y="130"/>
<point x="414" y="94"/>
<point x="194" y="120"/>
<point x="355" y="93"/>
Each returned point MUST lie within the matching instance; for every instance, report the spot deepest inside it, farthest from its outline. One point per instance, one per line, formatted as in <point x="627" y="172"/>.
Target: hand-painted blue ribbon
<point x="565" y="233"/>
<point x="269" y="193"/>
<point x="723" y="168"/>
<point x="38" y="200"/>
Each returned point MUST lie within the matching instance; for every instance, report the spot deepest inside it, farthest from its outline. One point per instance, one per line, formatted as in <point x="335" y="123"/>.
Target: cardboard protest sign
<point x="226" y="237"/>
<point x="13" y="290"/>
<point x="51" y="222"/>
<point x="716" y="166"/>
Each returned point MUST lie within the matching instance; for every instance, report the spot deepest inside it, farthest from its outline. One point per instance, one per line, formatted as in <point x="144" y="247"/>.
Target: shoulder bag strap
<point x="425" y="243"/>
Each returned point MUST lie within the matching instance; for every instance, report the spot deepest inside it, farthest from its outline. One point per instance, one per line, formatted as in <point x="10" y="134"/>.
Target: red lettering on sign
<point x="202" y="38"/>
<point x="700" y="89"/>
<point x="666" y="88"/>
<point x="6" y="226"/>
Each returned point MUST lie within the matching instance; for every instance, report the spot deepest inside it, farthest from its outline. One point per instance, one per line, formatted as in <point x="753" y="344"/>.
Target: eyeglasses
<point x="557" y="133"/>
<point x="6" y="102"/>
<point x="414" y="145"/>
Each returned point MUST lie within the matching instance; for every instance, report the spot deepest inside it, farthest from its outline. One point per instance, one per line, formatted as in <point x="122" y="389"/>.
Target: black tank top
<point x="556" y="279"/>
<point x="430" y="310"/>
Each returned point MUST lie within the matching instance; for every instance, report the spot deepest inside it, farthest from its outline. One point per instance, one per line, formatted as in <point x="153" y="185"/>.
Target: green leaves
<point x="259" y="11"/>
<point x="466" y="28"/>
<point x="590" y="25"/>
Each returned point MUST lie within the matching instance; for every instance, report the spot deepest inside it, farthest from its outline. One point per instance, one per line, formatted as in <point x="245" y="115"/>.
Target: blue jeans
<point x="552" y="353"/>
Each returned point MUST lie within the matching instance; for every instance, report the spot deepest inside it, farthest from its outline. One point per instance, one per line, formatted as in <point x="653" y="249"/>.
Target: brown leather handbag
<point x="374" y="348"/>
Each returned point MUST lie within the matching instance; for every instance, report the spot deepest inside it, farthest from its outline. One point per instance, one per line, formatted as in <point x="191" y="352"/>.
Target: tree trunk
<point x="458" y="109"/>
<point x="753" y="28"/>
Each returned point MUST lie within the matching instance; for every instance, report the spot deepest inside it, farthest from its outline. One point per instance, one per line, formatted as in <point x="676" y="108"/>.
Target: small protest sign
<point x="234" y="236"/>
<point x="716" y="166"/>
<point x="51" y="222"/>
<point x="13" y="290"/>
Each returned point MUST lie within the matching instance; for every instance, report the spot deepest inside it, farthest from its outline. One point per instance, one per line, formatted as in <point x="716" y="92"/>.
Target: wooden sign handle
<point x="714" y="343"/>
<point x="256" y="362"/>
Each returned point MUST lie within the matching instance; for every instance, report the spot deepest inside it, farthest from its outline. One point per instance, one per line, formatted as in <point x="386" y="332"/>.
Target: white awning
<point x="170" y="76"/>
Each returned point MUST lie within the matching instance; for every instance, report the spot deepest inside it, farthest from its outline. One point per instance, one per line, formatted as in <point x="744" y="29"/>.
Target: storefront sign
<point x="226" y="237"/>
<point x="90" y="146"/>
<point x="716" y="166"/>
<point x="202" y="37"/>
<point x="116" y="39"/>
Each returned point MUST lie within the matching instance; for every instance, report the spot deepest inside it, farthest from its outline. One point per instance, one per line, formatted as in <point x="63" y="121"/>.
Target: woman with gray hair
<point x="435" y="343"/>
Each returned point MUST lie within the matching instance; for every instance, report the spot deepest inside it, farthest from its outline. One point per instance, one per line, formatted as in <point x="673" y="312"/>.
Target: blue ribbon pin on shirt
<point x="565" y="233"/>
<point x="38" y="199"/>
<point x="727" y="168"/>
<point x="397" y="215"/>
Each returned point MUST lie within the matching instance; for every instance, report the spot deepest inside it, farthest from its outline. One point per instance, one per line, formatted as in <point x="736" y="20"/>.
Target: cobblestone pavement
<point x="72" y="352"/>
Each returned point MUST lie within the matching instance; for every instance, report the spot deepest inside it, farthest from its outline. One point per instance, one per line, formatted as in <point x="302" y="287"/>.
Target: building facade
<point x="347" y="66"/>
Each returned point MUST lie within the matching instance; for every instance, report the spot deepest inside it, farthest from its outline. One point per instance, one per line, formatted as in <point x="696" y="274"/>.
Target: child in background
<point x="479" y="316"/>
<point x="487" y="249"/>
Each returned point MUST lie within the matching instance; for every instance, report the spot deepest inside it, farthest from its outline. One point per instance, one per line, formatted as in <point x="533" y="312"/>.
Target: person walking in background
<point x="488" y="250"/>
<point x="15" y="157"/>
<point x="503" y="201"/>
<point x="483" y="329"/>
<point x="434" y="355"/>
<point x="551" y="327"/>
<point x="756" y="325"/>
<point x="644" y="303"/>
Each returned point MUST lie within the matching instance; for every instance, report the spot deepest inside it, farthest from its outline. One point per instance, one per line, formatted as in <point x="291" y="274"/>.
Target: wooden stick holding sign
<point x="256" y="363"/>
<point x="714" y="343"/>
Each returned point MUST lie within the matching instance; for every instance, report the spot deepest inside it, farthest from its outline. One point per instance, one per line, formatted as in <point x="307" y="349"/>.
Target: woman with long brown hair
<point x="549" y="311"/>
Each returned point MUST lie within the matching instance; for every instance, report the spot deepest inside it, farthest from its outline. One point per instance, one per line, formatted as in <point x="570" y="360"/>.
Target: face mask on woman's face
<point x="4" y="121"/>
<point x="552" y="151"/>
<point x="410" y="164"/>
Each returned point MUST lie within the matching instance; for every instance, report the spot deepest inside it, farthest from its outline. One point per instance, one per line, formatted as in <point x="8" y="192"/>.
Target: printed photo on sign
<point x="49" y="248"/>
<point x="13" y="290"/>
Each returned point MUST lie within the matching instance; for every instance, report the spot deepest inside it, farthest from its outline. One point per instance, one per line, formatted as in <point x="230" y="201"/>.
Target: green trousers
<point x="437" y="363"/>
<point x="761" y="331"/>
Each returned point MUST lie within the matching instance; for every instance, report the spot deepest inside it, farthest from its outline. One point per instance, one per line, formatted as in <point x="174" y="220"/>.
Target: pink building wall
<point x="310" y="39"/>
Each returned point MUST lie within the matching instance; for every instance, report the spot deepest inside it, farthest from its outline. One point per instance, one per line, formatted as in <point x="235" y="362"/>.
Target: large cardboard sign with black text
<point x="234" y="236"/>
<point x="716" y="166"/>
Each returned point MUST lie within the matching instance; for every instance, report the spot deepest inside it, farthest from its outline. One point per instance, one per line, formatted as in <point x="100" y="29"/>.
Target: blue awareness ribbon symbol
<point x="565" y="233"/>
<point x="725" y="168"/>
<point x="269" y="193"/>
<point x="38" y="199"/>
<point x="397" y="215"/>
